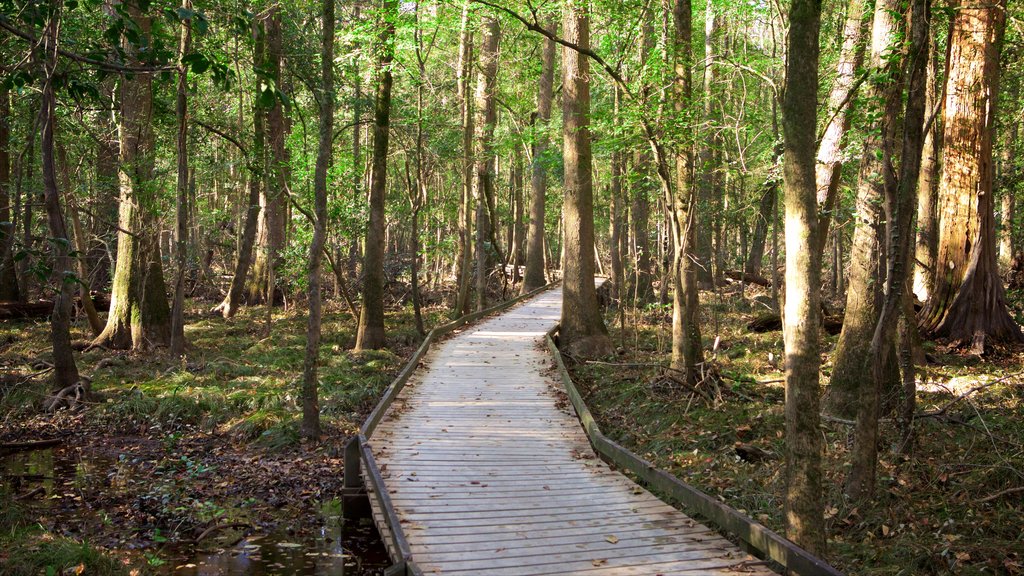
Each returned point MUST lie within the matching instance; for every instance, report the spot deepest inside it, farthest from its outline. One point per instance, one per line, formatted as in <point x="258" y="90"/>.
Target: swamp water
<point x="337" y="547"/>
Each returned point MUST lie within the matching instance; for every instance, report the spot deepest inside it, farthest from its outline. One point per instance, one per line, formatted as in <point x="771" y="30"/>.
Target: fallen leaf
<point x="599" y="561"/>
<point x="611" y="538"/>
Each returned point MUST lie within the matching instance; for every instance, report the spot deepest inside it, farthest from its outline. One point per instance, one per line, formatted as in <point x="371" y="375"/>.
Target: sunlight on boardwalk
<point x="490" y="472"/>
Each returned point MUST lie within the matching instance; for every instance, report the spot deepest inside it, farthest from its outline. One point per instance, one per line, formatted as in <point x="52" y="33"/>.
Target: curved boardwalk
<point x="490" y="472"/>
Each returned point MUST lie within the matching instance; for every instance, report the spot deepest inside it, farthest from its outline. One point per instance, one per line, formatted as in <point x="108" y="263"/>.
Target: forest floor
<point x="953" y="505"/>
<point x="207" y="449"/>
<point x="167" y="450"/>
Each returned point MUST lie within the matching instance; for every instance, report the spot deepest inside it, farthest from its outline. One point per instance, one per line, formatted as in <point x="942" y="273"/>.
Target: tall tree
<point x="582" y="332"/>
<point x="968" y="303"/>
<point x="64" y="368"/>
<point x="875" y="180"/>
<point x="9" y="289"/>
<point x="181" y="231"/>
<point x="464" y="83"/>
<point x="803" y="501"/>
<point x="371" y="317"/>
<point x="687" y="350"/>
<point x="483" y="172"/>
<point x="928" y="183"/>
<point x="310" y="400"/>
<point x="139" y="314"/>
<point x="533" y="277"/>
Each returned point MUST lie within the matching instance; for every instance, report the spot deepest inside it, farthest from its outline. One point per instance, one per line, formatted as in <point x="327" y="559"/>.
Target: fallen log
<point x="772" y="321"/>
<point x="741" y="276"/>
<point x="12" y="447"/>
<point x="43" y="308"/>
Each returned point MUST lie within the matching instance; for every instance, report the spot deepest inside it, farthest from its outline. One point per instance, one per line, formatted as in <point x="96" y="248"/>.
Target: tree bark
<point x="803" y="500"/>
<point x="255" y="167"/>
<point x="483" y="173"/>
<point x="371" y="318"/>
<point x="900" y="205"/>
<point x="9" y="289"/>
<point x="139" y="315"/>
<point x="464" y="88"/>
<point x="875" y="180"/>
<point x="687" y="350"/>
<point x="64" y="368"/>
<point x="828" y="171"/>
<point x="181" y="235"/>
<point x="968" y="305"/>
<point x="582" y="330"/>
<point x="534" y="277"/>
<point x="928" y="186"/>
<point x="765" y="210"/>
<point x="310" y="397"/>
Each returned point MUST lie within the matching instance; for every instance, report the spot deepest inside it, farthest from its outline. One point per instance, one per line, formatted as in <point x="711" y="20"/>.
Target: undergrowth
<point x="941" y="509"/>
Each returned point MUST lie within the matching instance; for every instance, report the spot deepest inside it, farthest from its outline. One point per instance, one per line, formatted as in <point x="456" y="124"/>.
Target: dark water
<point x="338" y="547"/>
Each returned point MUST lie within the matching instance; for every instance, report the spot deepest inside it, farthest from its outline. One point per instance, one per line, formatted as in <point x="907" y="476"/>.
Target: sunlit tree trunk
<point x="139" y="314"/>
<point x="900" y="206"/>
<point x="687" y="351"/>
<point x="464" y="88"/>
<point x="582" y="330"/>
<point x="864" y="296"/>
<point x="534" y="276"/>
<point x="483" y="172"/>
<point x="968" y="305"/>
<point x="371" y="317"/>
<point x="928" y="185"/>
<point x="803" y="500"/>
<point x="840" y="105"/>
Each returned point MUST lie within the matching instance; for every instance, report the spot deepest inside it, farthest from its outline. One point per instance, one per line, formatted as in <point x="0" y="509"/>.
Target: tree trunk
<point x="534" y="276"/>
<point x="64" y="369"/>
<point x="582" y="331"/>
<point x="483" y="173"/>
<point x="876" y="179"/>
<point x="968" y="305"/>
<point x="616" y="220"/>
<point x="270" y="233"/>
<point x="769" y="195"/>
<point x="803" y="501"/>
<point x="828" y="171"/>
<point x="310" y="400"/>
<point x="139" y="316"/>
<point x="371" y="318"/>
<point x="709" y="159"/>
<point x="255" y="168"/>
<point x="464" y="88"/>
<point x="928" y="186"/>
<point x="9" y="289"/>
<point x="640" y="211"/>
<point x="900" y="205"/>
<point x="687" y="351"/>
<point x="181" y="236"/>
<point x="1008" y="201"/>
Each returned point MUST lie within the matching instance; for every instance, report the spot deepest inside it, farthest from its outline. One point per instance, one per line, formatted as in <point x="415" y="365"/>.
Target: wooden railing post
<point x="354" y="502"/>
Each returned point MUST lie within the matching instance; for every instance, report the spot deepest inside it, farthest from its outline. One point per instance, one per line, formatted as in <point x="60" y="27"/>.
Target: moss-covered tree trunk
<point x="803" y="506"/>
<point x="968" y="304"/>
<point x="139" y="315"/>
<point x="181" y="220"/>
<point x="371" y="317"/>
<point x="582" y="332"/>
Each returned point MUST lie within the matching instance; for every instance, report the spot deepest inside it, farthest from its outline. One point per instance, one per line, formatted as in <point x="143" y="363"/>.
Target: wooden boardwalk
<point x="489" y="471"/>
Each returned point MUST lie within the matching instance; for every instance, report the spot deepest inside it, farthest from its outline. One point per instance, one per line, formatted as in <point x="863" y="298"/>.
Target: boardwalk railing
<point x="359" y="461"/>
<point x="758" y="538"/>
